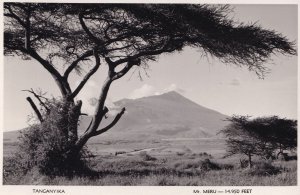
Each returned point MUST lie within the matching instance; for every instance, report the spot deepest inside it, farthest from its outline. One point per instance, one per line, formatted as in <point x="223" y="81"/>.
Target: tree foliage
<point x="261" y="136"/>
<point x="46" y="146"/>
<point x="123" y="32"/>
<point x="66" y="38"/>
<point x="279" y="133"/>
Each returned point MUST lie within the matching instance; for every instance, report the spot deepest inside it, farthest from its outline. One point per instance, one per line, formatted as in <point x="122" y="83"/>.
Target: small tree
<point x="64" y="37"/>
<point x="239" y="139"/>
<point x="278" y="133"/>
<point x="259" y="136"/>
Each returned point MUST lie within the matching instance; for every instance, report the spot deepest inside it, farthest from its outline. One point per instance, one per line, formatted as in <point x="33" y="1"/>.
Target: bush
<point x="207" y="165"/>
<point x="45" y="146"/>
<point x="263" y="169"/>
<point x="146" y="157"/>
<point x="204" y="154"/>
<point x="180" y="153"/>
<point x="197" y="164"/>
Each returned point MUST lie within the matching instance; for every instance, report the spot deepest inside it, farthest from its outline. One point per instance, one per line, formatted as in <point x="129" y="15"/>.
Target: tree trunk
<point x="280" y="151"/>
<point x="249" y="158"/>
<point x="99" y="113"/>
<point x="73" y="120"/>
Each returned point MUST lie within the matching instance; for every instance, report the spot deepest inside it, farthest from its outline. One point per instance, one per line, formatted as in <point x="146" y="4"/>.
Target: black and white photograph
<point x="189" y="94"/>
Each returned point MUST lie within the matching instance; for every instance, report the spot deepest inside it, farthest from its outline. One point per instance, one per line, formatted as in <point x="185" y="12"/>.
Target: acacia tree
<point x="260" y="136"/>
<point x="240" y="139"/>
<point x="277" y="134"/>
<point x="62" y="37"/>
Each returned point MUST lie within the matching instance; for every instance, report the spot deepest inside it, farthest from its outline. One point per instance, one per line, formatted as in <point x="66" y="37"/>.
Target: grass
<point x="189" y="169"/>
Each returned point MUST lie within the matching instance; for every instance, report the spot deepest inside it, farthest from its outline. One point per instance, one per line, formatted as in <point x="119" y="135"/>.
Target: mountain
<point x="165" y="116"/>
<point x="169" y="115"/>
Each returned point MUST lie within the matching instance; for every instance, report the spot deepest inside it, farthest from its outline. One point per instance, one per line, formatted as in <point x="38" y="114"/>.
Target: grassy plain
<point x="178" y="162"/>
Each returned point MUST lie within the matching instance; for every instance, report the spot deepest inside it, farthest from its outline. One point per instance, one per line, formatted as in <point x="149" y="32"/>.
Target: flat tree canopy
<point x="62" y="37"/>
<point x="278" y="133"/>
<point x="261" y="136"/>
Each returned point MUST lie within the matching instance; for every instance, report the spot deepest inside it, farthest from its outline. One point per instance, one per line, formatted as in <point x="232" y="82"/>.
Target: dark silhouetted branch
<point x="38" y="97"/>
<point x="87" y="31"/>
<point x="117" y="118"/>
<point x="13" y="15"/>
<point x="87" y="76"/>
<point x="75" y="63"/>
<point x="89" y="125"/>
<point x="36" y="110"/>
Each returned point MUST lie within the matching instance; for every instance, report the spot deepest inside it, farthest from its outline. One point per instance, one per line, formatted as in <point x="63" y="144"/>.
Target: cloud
<point x="89" y="96"/>
<point x="144" y="91"/>
<point x="174" y="87"/>
<point x="91" y="83"/>
<point x="235" y="82"/>
<point x="148" y="90"/>
<point x="113" y="109"/>
<point x="93" y="101"/>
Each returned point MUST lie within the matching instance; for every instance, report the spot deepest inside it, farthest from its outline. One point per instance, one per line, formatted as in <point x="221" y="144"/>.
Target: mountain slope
<point x="165" y="116"/>
<point x="169" y="115"/>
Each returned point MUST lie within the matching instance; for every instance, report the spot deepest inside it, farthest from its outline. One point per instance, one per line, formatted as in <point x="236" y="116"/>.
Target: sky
<point x="225" y="88"/>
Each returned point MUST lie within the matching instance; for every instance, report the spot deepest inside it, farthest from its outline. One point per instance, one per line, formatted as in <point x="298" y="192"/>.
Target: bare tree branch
<point x="87" y="76"/>
<point x="36" y="110"/>
<point x="129" y="65"/>
<point x="74" y="64"/>
<point x="38" y="97"/>
<point x="47" y="65"/>
<point x="117" y="118"/>
<point x="89" y="125"/>
<point x="62" y="83"/>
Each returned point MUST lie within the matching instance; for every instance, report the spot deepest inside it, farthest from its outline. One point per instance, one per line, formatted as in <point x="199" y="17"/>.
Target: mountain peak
<point x="172" y="93"/>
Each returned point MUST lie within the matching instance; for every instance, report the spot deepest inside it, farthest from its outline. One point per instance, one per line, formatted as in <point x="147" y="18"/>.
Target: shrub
<point x="207" y="165"/>
<point x="146" y="157"/>
<point x="196" y="164"/>
<point x="180" y="153"/>
<point x="226" y="166"/>
<point x="204" y="154"/>
<point x="263" y="169"/>
<point x="45" y="146"/>
<point x="119" y="152"/>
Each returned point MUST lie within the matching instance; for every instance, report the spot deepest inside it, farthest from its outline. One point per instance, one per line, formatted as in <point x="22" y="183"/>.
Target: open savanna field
<point x="175" y="162"/>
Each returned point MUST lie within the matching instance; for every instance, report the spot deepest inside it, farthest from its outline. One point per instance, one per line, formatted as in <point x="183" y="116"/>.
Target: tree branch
<point x="36" y="110"/>
<point x="74" y="64"/>
<point x="44" y="63"/>
<point x="38" y="97"/>
<point x="89" y="126"/>
<point x="13" y="15"/>
<point x="87" y="76"/>
<point x="62" y="84"/>
<point x="111" y="66"/>
<point x="129" y="65"/>
<point x="87" y="31"/>
<point x="144" y="53"/>
<point x="117" y="118"/>
<point x="27" y="29"/>
<point x="119" y="48"/>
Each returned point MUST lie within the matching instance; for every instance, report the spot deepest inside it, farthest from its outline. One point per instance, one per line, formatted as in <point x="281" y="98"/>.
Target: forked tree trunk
<point x="97" y="118"/>
<point x="69" y="126"/>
